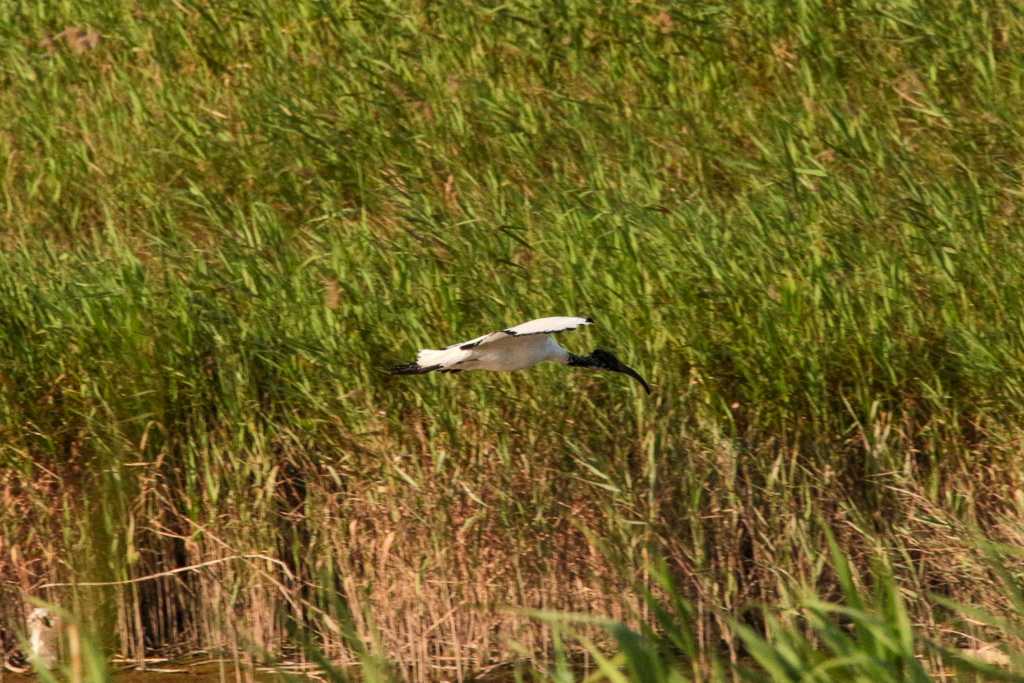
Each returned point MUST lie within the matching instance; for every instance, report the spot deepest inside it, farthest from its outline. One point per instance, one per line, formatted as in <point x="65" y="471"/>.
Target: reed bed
<point x="221" y="222"/>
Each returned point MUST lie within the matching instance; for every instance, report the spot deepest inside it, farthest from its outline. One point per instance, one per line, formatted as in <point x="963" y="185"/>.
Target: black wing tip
<point x="588" y="321"/>
<point x="510" y="332"/>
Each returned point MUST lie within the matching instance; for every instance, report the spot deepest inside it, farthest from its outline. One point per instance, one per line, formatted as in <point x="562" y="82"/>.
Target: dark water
<point x="205" y="673"/>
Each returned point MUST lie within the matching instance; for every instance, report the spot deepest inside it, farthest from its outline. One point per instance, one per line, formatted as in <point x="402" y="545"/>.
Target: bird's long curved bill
<point x="626" y="370"/>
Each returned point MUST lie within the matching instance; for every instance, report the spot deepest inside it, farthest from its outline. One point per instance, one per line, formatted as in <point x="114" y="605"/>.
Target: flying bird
<point x="516" y="348"/>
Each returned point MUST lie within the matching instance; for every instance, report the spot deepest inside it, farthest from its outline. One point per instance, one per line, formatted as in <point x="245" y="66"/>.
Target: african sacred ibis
<point x="516" y="348"/>
<point x="43" y="638"/>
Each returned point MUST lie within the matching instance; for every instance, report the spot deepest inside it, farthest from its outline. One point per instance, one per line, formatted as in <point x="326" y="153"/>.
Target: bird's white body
<point x="514" y="348"/>
<point x="508" y="353"/>
<point x="42" y="633"/>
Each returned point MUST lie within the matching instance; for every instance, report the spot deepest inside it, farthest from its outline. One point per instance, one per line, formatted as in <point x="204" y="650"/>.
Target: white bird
<point x="516" y="348"/>
<point x="42" y="638"/>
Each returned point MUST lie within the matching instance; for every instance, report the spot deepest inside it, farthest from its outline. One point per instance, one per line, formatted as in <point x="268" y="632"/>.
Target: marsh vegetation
<point x="801" y="221"/>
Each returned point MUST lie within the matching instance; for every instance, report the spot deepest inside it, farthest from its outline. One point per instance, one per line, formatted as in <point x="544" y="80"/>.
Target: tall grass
<point x="800" y="220"/>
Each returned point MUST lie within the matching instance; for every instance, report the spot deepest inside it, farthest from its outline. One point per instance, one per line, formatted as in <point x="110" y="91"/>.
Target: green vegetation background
<point x="801" y="221"/>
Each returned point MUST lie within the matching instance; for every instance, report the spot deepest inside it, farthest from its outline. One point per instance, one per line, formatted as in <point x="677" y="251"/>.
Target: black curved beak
<point x="626" y="370"/>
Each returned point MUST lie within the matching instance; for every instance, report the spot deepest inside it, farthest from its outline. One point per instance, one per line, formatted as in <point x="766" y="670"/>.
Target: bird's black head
<point x="606" y="360"/>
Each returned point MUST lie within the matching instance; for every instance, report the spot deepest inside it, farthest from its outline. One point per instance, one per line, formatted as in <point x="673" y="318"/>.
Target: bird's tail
<point x="427" y="360"/>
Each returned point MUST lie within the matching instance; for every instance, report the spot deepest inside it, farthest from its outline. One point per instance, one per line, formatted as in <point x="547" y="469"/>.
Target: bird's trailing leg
<point x="413" y="369"/>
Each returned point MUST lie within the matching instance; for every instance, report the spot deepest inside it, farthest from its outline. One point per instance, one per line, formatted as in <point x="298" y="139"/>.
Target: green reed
<point x="222" y="221"/>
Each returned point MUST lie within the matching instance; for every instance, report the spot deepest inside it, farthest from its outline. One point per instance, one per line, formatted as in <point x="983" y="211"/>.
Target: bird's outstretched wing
<point x="552" y="325"/>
